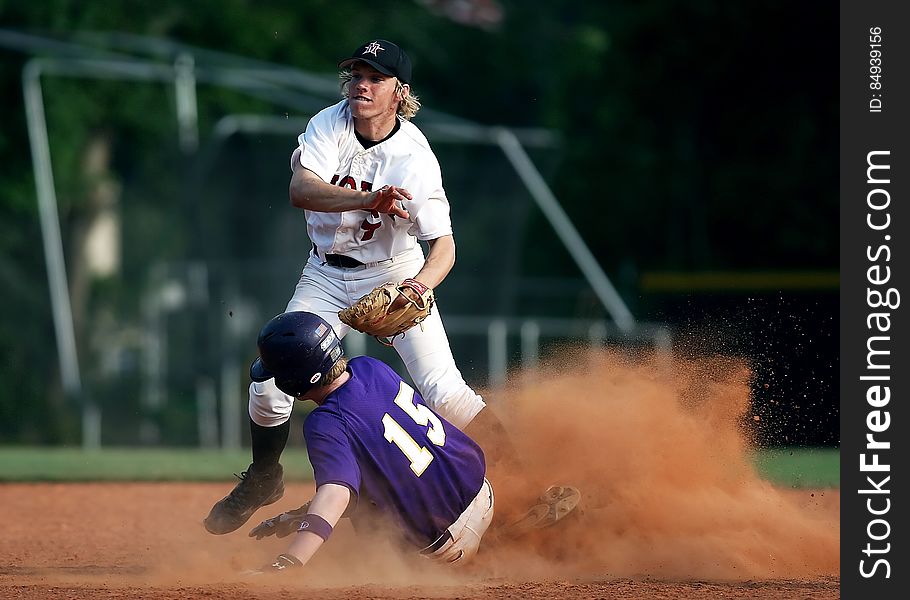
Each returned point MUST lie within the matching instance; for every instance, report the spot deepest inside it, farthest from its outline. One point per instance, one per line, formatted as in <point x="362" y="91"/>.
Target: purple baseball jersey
<point x="376" y="436"/>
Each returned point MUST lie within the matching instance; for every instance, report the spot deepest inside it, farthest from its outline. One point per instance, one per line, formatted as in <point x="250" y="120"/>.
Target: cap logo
<point x="315" y="377"/>
<point x="373" y="48"/>
<point x="321" y="329"/>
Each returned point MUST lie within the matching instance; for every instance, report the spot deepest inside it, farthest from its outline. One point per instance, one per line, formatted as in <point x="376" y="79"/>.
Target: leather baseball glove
<point x="390" y="309"/>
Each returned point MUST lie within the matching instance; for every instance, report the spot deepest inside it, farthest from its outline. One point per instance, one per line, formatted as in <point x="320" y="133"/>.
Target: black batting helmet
<point x="297" y="349"/>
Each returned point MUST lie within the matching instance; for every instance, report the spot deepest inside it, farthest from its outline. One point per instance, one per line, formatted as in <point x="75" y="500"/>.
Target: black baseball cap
<point x="384" y="56"/>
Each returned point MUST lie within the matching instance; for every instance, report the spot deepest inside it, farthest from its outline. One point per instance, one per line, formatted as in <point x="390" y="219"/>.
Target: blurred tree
<point x="699" y="134"/>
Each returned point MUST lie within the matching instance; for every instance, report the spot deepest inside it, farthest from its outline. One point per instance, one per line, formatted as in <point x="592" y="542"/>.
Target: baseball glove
<point x="390" y="309"/>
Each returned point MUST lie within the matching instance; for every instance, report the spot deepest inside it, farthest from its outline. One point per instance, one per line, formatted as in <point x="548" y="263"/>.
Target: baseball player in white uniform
<point x="371" y="188"/>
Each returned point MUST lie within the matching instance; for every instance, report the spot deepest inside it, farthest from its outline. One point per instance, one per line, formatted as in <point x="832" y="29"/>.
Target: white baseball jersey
<point x="329" y="148"/>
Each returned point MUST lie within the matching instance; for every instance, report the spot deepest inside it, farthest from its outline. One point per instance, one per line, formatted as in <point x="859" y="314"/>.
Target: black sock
<point x="268" y="443"/>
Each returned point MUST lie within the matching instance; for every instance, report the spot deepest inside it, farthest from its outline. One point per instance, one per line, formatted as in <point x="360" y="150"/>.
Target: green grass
<point x="128" y="464"/>
<point x="800" y="467"/>
<point x="787" y="467"/>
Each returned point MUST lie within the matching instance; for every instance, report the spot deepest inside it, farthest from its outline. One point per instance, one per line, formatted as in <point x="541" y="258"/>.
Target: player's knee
<point x="267" y="418"/>
<point x="268" y="406"/>
<point x="459" y="410"/>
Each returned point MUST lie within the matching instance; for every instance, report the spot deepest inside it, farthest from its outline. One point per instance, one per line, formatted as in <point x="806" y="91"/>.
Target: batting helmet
<point x="297" y="349"/>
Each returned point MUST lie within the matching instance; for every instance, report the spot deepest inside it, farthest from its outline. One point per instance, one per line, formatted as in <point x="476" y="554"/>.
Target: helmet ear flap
<point x="292" y="387"/>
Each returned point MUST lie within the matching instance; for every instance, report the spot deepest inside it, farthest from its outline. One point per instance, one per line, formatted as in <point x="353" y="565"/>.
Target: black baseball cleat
<point x="256" y="488"/>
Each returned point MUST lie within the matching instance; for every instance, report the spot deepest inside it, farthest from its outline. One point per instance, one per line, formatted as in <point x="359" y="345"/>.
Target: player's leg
<point x="270" y="408"/>
<point x="262" y="483"/>
<point x="322" y="290"/>
<point x="468" y="530"/>
<point x="270" y="412"/>
<point x="425" y="351"/>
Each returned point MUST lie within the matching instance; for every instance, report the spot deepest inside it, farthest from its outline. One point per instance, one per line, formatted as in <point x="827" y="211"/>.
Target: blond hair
<point x="340" y="366"/>
<point x="408" y="104"/>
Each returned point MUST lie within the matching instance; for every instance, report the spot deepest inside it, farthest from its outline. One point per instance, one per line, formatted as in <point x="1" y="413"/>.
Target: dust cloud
<point x="658" y="449"/>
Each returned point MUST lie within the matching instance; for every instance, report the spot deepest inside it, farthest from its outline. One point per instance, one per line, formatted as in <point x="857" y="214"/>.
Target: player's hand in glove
<point x="390" y="309"/>
<point x="281" y="526"/>
<point x="281" y="564"/>
<point x="386" y="198"/>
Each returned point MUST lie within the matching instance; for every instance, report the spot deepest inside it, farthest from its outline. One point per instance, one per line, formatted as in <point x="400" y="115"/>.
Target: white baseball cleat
<point x="552" y="506"/>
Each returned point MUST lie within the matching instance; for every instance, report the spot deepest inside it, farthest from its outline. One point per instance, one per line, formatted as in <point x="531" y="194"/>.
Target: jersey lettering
<point x="368" y="226"/>
<point x="348" y="182"/>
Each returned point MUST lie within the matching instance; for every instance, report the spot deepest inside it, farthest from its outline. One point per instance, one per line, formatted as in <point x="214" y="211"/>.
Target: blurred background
<point x="639" y="175"/>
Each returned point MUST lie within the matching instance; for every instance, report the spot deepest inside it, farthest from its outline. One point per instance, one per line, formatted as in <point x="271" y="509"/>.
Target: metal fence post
<point x="497" y="333"/>
<point x="530" y="345"/>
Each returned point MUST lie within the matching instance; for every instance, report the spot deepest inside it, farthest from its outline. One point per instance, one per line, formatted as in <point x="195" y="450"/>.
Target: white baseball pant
<point x="425" y="351"/>
<point x="467" y="530"/>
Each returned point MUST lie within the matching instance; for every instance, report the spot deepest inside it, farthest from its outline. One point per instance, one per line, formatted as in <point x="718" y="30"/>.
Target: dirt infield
<point x="93" y="541"/>
<point x="671" y="508"/>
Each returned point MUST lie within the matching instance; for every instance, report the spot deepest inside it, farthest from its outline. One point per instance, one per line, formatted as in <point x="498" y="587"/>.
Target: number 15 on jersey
<point x="419" y="457"/>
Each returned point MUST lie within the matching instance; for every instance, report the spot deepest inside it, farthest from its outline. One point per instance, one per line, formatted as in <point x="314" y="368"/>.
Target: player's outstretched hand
<point x="281" y="526"/>
<point x="281" y="564"/>
<point x="386" y="199"/>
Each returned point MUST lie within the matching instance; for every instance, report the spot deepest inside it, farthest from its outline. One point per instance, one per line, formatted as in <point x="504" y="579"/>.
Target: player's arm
<point x="328" y="504"/>
<point x="440" y="261"/>
<point x="308" y="191"/>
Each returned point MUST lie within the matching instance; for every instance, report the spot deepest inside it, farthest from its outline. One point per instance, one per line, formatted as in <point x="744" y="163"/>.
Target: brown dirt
<point x="671" y="509"/>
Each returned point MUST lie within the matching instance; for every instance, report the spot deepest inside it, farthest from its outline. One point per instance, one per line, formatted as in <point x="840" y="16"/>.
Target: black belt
<point x="340" y="260"/>
<point x="440" y="541"/>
